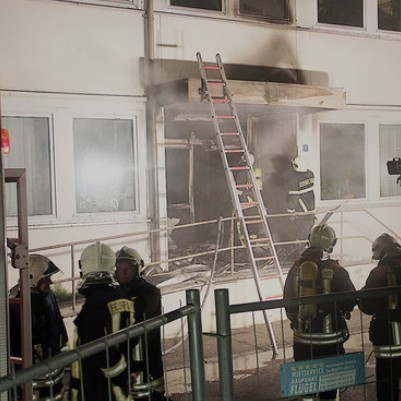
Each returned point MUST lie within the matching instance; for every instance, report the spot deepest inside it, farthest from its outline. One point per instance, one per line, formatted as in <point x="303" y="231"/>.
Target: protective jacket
<point x="147" y="301"/>
<point x="300" y="192"/>
<point x="49" y="338"/>
<point x="385" y="326"/>
<point x="322" y="324"/>
<point x="106" y="310"/>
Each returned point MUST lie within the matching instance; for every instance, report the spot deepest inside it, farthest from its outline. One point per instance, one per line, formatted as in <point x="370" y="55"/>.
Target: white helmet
<point x="40" y="267"/>
<point x="97" y="265"/>
<point x="300" y="164"/>
<point x="132" y="255"/>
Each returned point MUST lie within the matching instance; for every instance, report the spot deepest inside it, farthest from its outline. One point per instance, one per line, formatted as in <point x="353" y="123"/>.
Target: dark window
<point x="341" y="12"/>
<point x="389" y="15"/>
<point x="215" y="5"/>
<point x="270" y="9"/>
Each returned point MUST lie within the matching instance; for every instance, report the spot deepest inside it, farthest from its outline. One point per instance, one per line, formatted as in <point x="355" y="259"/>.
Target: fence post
<point x="196" y="347"/>
<point x="224" y="348"/>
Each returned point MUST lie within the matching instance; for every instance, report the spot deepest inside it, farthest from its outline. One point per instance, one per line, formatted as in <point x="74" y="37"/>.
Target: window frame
<point x="365" y="154"/>
<point x="135" y="154"/>
<point x="61" y="109"/>
<point x="38" y="219"/>
<point x="287" y="21"/>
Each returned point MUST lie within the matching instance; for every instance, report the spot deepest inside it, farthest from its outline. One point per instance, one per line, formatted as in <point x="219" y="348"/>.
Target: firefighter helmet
<point x="381" y="244"/>
<point x="97" y="265"/>
<point x="300" y="164"/>
<point x="322" y="237"/>
<point x="40" y="267"/>
<point x="126" y="253"/>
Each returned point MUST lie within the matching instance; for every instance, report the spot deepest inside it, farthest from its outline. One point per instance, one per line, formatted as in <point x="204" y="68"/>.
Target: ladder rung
<point x="246" y="186"/>
<point x="229" y="133"/>
<point x="234" y="150"/>
<point x="211" y="67"/>
<point x="253" y="221"/>
<point x="248" y="204"/>
<point x="264" y="258"/>
<point x="239" y="168"/>
<point x="225" y="117"/>
<point x="216" y="82"/>
<point x="220" y="100"/>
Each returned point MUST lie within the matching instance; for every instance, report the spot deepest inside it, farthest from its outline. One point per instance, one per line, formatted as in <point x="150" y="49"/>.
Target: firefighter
<point x="106" y="310"/>
<point x="320" y="330"/>
<point x="49" y="335"/>
<point x="147" y="301"/>
<point x="385" y="325"/>
<point x="301" y="197"/>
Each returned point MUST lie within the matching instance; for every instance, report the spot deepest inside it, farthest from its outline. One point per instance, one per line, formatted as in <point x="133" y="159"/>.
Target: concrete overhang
<point x="183" y="98"/>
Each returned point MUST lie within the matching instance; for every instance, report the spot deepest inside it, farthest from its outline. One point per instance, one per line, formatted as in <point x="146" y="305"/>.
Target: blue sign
<point x="317" y="375"/>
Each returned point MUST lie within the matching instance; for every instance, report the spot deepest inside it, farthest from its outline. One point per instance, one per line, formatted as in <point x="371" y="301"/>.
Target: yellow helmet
<point x="40" y="267"/>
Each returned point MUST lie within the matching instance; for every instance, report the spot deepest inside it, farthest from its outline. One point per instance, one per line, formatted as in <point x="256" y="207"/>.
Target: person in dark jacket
<point x="104" y="376"/>
<point x="320" y="330"/>
<point x="147" y="301"/>
<point x="49" y="335"/>
<point x="385" y="325"/>
<point x="301" y="198"/>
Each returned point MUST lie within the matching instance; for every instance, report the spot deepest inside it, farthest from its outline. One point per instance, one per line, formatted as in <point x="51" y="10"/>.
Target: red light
<point x="5" y="141"/>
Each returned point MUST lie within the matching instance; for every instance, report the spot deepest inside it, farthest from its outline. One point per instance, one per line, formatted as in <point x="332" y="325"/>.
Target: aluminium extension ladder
<point x="237" y="163"/>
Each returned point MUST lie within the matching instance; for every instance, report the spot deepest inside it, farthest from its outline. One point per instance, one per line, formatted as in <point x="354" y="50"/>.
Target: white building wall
<point x="64" y="59"/>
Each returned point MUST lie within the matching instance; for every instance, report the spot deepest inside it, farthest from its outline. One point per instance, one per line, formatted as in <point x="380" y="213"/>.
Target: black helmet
<point x="322" y="237"/>
<point x="383" y="245"/>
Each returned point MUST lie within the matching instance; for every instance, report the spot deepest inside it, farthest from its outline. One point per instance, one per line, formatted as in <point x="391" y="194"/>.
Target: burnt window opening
<point x="212" y="5"/>
<point x="389" y="15"/>
<point x="273" y="10"/>
<point x="341" y="12"/>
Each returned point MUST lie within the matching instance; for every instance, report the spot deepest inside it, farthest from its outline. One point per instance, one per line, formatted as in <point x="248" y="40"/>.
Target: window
<point x="342" y="161"/>
<point x="390" y="146"/>
<point x="105" y="173"/>
<point x="214" y="5"/>
<point x="273" y="9"/>
<point x="341" y="12"/>
<point x="30" y="149"/>
<point x="389" y="15"/>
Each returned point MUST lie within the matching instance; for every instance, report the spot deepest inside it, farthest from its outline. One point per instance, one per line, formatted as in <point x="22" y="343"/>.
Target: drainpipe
<point x="153" y="201"/>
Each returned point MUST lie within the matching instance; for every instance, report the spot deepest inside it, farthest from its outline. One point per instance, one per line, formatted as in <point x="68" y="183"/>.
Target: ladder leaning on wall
<point x="244" y="190"/>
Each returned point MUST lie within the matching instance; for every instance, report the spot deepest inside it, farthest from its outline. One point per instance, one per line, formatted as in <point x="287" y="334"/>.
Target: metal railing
<point x="224" y="334"/>
<point x="192" y="311"/>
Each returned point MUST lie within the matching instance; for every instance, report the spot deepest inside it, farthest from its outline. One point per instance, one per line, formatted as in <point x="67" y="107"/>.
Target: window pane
<point x="30" y="149"/>
<point x="201" y="4"/>
<point x="341" y="12"/>
<point x="104" y="165"/>
<point x="389" y="15"/>
<point x="390" y="146"/>
<point x="342" y="161"/>
<point x="273" y="9"/>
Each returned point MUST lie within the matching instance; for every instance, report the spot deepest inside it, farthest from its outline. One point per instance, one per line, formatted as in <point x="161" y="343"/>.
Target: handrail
<point x="191" y="310"/>
<point x="230" y="247"/>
